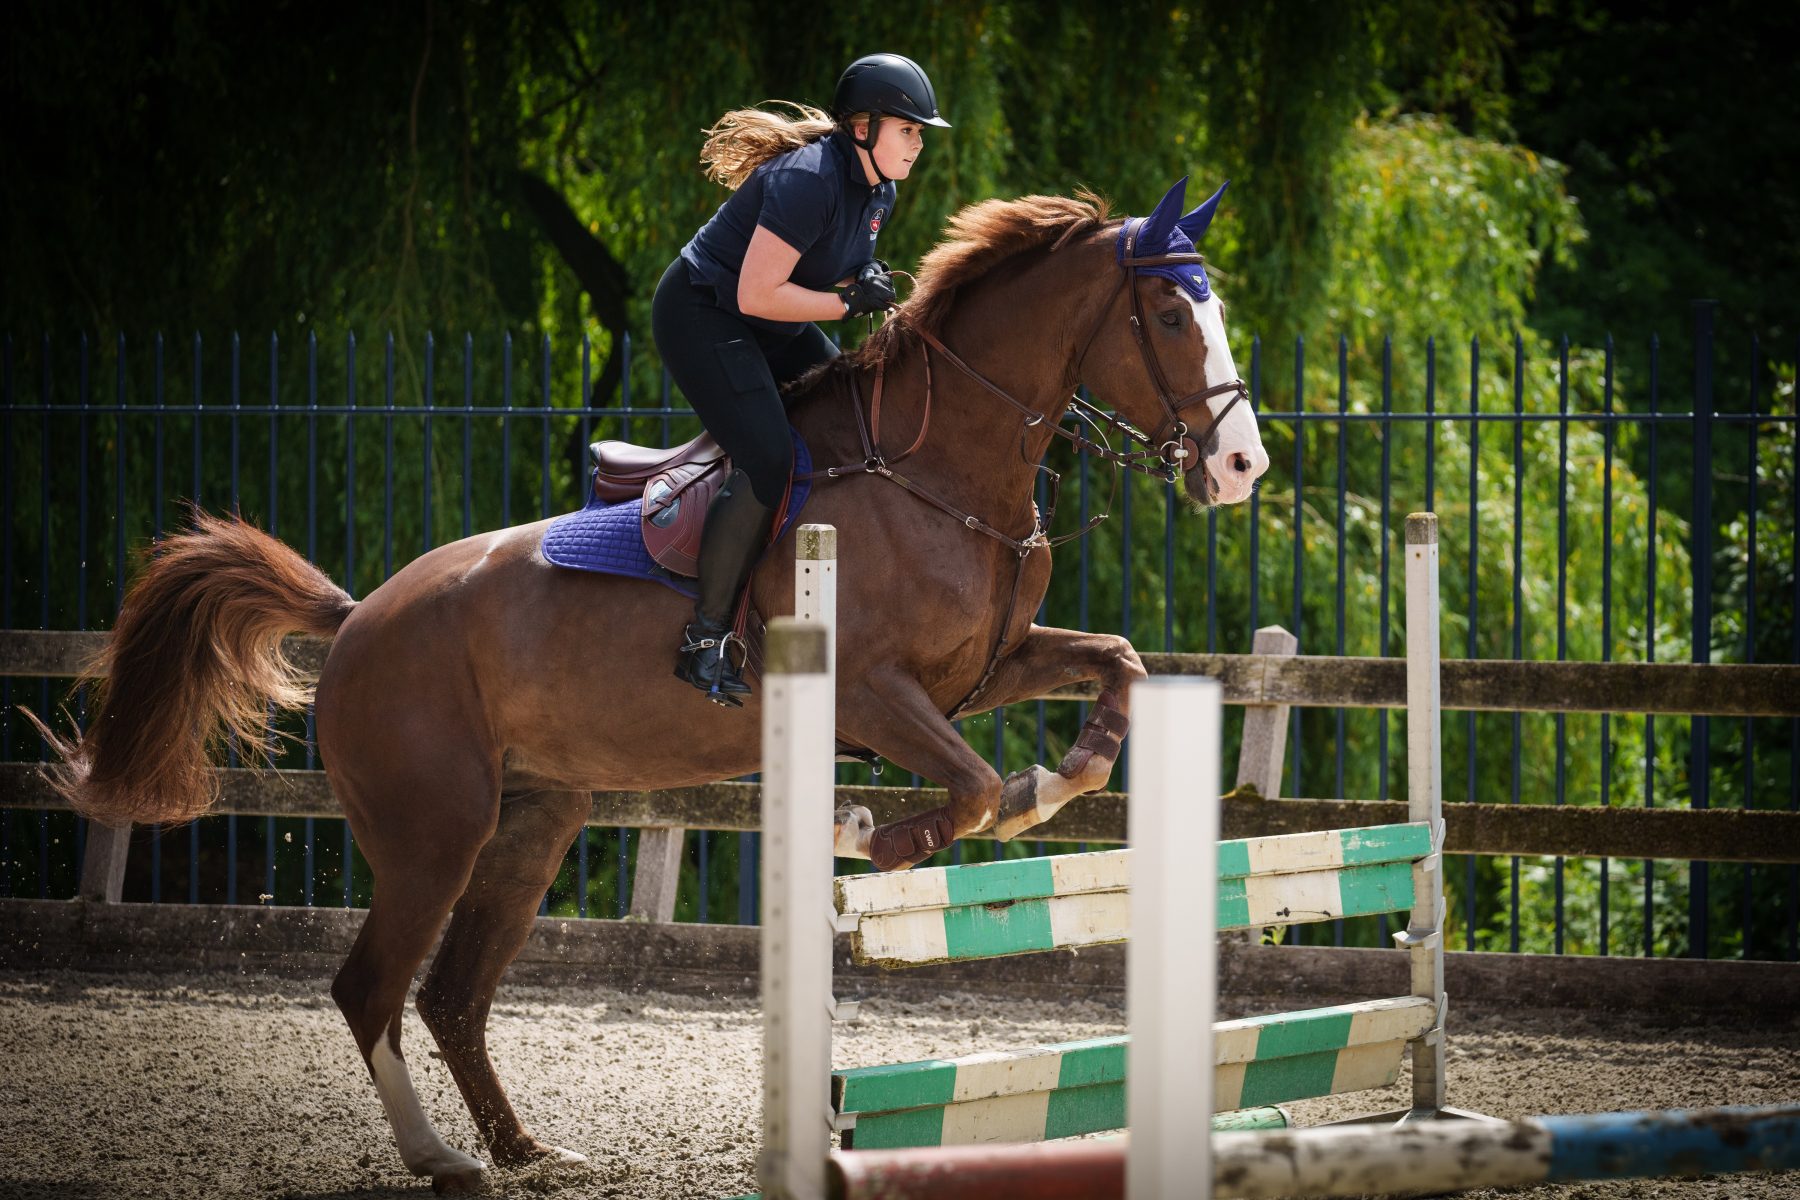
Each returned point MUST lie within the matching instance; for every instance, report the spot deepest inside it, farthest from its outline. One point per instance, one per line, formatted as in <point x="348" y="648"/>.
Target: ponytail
<point x="745" y="138"/>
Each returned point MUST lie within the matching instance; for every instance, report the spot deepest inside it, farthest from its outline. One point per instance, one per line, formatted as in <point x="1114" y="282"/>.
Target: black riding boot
<point x="737" y="529"/>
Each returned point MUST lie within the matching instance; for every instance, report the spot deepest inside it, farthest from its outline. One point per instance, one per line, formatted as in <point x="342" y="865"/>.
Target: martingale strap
<point x="998" y="654"/>
<point x="875" y="411"/>
<point x="875" y="463"/>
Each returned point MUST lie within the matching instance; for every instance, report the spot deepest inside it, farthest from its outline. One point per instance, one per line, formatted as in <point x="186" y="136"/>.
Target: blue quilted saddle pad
<point x="609" y="538"/>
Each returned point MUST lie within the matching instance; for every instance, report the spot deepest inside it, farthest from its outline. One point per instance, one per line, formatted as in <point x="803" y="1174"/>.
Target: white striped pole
<point x="1355" y="1160"/>
<point x="1171" y="972"/>
<point x="798" y="739"/>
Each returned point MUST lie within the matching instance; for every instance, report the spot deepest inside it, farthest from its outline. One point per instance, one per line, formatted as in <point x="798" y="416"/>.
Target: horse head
<point x="1162" y="360"/>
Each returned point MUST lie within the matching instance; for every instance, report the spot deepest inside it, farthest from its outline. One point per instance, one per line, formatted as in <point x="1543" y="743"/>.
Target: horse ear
<point x="1195" y="223"/>
<point x="1160" y="223"/>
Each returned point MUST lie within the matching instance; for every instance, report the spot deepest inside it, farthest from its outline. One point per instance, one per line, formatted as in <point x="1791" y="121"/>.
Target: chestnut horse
<point x="470" y="704"/>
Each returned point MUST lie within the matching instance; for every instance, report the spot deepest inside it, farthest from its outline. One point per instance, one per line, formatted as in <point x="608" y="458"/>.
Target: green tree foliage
<point x="1681" y="124"/>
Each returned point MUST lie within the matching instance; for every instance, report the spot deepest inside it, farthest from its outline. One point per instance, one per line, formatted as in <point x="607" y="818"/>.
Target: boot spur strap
<point x="723" y="643"/>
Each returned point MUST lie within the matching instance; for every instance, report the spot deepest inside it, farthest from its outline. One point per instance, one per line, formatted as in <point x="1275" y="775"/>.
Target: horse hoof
<point x="561" y="1157"/>
<point x="532" y="1153"/>
<point x="852" y="827"/>
<point x="460" y="1183"/>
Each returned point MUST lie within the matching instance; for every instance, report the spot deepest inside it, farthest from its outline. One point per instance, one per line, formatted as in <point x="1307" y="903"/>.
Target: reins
<point x="1164" y="451"/>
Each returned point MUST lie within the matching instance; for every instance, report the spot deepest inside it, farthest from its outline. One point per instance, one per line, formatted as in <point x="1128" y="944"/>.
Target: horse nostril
<point x="1240" y="462"/>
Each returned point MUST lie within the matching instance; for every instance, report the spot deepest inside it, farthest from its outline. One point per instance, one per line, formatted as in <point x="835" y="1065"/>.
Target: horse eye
<point x="1171" y="318"/>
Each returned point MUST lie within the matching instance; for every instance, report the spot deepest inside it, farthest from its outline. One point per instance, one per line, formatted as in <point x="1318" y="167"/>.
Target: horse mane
<point x="980" y="237"/>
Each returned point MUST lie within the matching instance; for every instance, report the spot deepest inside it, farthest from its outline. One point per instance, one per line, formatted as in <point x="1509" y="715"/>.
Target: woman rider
<point x="734" y="314"/>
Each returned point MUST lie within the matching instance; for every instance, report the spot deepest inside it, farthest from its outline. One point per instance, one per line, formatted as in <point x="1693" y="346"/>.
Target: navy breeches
<point x="731" y="372"/>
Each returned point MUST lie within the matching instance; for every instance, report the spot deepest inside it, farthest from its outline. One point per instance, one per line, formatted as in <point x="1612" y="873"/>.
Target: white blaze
<point x="1238" y="434"/>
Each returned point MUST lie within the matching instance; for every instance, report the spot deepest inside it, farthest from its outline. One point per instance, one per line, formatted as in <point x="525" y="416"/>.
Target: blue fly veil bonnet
<point x="1166" y="232"/>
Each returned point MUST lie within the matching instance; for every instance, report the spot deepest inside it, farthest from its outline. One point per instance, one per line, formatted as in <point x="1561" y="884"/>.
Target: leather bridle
<point x="1172" y="439"/>
<point x="1165" y="451"/>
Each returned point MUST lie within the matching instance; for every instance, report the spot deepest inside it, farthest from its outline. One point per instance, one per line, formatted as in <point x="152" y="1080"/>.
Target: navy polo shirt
<point x="817" y="200"/>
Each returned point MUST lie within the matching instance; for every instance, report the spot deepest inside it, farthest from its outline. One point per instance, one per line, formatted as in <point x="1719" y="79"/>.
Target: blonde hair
<point x="746" y="138"/>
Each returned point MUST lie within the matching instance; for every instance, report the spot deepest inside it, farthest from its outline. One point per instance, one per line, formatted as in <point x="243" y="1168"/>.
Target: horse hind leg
<point x="420" y="869"/>
<point x="487" y="929"/>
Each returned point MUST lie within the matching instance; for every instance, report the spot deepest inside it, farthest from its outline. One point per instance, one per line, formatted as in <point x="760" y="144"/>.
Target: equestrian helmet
<point x="887" y="83"/>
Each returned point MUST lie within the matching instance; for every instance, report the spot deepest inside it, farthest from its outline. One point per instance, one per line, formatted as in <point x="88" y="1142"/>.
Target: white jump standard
<point x="799" y="723"/>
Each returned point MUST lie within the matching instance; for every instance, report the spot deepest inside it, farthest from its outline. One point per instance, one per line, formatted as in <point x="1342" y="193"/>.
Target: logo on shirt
<point x="875" y="221"/>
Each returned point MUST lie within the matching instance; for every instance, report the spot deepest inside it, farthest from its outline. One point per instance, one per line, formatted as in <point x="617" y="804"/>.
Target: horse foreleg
<point x="1048" y="659"/>
<point x="487" y="929"/>
<point x="892" y="714"/>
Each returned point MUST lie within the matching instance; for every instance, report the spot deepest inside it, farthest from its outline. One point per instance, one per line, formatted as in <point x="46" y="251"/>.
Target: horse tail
<point x="195" y="659"/>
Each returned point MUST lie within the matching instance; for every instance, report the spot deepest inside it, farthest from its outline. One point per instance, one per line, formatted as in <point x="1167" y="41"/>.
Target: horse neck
<point x="1017" y="330"/>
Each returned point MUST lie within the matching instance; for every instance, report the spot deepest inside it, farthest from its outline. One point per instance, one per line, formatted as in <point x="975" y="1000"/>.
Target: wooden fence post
<point x="1424" y="933"/>
<point x="1262" y="751"/>
<point x="661" y="851"/>
<point x="103" y="863"/>
<point x="1264" y="745"/>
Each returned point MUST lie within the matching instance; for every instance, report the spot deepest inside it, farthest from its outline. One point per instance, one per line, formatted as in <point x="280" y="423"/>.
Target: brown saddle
<point x="678" y="486"/>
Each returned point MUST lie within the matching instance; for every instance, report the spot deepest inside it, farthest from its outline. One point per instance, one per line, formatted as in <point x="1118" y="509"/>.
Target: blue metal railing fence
<point x="1630" y="530"/>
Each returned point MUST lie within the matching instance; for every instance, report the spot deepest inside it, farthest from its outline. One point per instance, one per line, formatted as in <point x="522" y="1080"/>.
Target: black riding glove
<point x="871" y="292"/>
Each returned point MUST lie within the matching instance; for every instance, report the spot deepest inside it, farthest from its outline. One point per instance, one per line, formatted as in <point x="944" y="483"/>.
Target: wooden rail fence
<point x="1267" y="683"/>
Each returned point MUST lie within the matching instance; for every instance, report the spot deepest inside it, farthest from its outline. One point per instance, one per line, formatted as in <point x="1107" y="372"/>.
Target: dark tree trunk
<point x="601" y="276"/>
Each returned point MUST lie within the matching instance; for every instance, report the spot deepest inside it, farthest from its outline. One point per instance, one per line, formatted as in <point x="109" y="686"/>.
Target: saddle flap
<point x="676" y="501"/>
<point x="676" y="488"/>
